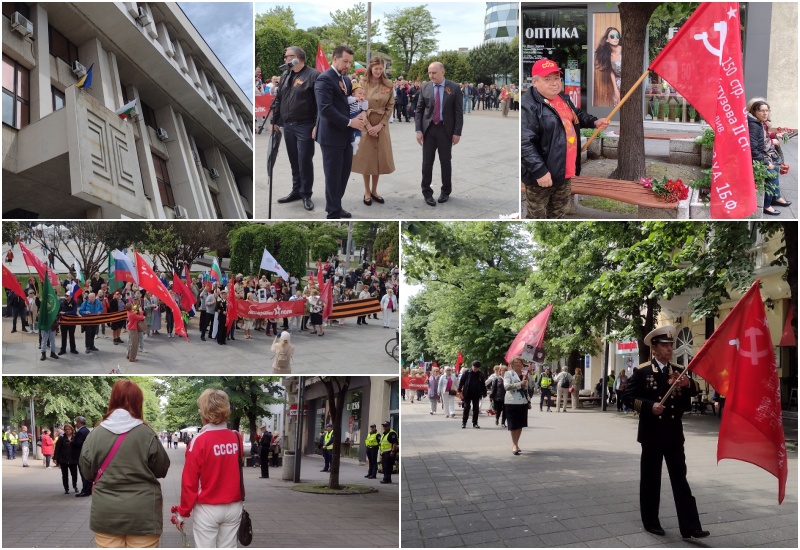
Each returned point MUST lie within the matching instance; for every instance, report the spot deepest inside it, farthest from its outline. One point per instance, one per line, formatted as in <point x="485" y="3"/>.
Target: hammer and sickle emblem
<point x="722" y="28"/>
<point x="754" y="353"/>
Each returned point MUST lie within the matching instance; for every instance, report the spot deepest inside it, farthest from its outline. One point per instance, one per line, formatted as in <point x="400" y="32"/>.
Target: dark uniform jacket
<point x="647" y="386"/>
<point x="544" y="140"/>
<point x="472" y="384"/>
<point x="295" y="101"/>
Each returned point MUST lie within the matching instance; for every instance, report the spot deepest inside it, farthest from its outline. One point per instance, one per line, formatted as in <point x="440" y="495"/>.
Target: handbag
<point x="245" y="532"/>
<point x="141" y="326"/>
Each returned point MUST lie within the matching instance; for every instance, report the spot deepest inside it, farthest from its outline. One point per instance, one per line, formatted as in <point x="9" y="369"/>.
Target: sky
<point x="227" y="28"/>
<point x="460" y="23"/>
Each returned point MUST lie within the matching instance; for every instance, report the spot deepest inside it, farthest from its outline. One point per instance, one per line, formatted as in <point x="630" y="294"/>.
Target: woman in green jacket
<point x="126" y="500"/>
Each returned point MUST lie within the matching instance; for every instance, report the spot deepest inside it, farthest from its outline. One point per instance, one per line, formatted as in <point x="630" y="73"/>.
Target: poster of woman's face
<point x="607" y="59"/>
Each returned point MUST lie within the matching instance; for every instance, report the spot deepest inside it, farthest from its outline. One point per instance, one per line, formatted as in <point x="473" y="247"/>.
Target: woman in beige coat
<point x="374" y="156"/>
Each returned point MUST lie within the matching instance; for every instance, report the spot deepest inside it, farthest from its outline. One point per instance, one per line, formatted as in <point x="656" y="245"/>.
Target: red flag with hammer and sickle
<point x="739" y="362"/>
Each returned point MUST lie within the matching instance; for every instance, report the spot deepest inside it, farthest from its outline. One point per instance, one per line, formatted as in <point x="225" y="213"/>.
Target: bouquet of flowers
<point x="667" y="189"/>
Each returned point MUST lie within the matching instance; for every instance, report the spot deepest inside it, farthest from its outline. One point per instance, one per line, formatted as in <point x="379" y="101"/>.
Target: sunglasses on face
<point x="613" y="35"/>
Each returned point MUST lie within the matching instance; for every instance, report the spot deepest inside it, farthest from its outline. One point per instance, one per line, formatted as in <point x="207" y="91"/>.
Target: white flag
<point x="269" y="263"/>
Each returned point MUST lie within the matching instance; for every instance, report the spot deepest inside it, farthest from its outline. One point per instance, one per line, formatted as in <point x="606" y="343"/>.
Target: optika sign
<point x="551" y="32"/>
<point x="226" y="449"/>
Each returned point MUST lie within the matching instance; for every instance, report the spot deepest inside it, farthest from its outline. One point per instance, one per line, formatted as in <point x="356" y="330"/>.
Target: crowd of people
<point x="148" y="319"/>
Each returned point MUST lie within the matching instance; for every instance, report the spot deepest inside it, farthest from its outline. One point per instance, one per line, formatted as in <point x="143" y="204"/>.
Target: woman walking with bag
<point x="125" y="459"/>
<point x="66" y="457"/>
<point x="516" y="401"/>
<point x="218" y="507"/>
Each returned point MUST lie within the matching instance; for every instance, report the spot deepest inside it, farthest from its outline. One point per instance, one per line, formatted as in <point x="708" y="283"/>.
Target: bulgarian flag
<point x="126" y="110"/>
<point x="78" y="286"/>
<point x="216" y="272"/>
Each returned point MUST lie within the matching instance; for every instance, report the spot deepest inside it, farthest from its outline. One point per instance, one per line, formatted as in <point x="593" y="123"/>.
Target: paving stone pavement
<point x="37" y="513"/>
<point x="485" y="176"/>
<point x="575" y="484"/>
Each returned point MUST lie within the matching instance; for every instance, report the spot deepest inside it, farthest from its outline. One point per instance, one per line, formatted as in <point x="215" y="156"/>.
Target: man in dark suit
<point x="81" y="433"/>
<point x="439" y="118"/>
<point x="332" y="89"/>
<point x="661" y="433"/>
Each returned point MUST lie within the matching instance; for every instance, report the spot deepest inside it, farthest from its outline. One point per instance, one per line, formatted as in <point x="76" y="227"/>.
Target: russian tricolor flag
<point x="124" y="269"/>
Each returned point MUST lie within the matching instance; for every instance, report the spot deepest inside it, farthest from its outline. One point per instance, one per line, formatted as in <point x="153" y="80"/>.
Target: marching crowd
<point x="148" y="318"/>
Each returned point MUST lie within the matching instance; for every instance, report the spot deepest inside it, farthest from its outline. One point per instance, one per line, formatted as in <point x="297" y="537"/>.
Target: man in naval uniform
<point x="661" y="433"/>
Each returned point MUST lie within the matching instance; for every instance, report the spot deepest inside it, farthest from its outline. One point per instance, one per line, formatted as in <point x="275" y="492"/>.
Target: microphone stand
<point x="273" y="144"/>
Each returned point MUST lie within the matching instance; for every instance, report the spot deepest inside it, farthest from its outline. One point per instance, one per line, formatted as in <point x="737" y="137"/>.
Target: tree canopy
<point x="411" y="34"/>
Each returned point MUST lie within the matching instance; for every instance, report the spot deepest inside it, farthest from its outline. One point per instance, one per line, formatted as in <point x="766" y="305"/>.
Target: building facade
<point x="186" y="150"/>
<point x="571" y="35"/>
<point x="501" y="23"/>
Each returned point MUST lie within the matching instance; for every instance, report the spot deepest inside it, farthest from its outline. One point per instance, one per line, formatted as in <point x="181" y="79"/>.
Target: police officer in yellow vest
<point x="14" y="440"/>
<point x="388" y="448"/>
<point x="661" y="433"/>
<point x="371" y="443"/>
<point x="327" y="447"/>
<point x="546" y="385"/>
<point x="7" y="442"/>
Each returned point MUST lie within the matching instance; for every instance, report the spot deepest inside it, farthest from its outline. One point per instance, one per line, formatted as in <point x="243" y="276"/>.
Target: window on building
<point x="149" y="116"/>
<point x="16" y="94"/>
<point x="162" y="177"/>
<point x="10" y="7"/>
<point x="217" y="207"/>
<point x="61" y="47"/>
<point x="59" y="100"/>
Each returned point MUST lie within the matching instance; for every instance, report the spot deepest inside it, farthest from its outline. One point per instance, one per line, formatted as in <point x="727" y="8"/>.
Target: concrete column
<point x="41" y="95"/>
<point x="782" y="76"/>
<point x="154" y="207"/>
<point x="93" y="53"/>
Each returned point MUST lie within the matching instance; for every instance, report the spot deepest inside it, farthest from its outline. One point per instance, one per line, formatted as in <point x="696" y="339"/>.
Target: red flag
<point x="319" y="274"/>
<point x="703" y="61"/>
<point x="41" y="268"/>
<point x="188" y="273"/>
<point x="532" y="334"/>
<point x="149" y="281"/>
<point x="11" y="283"/>
<point x="459" y="361"/>
<point x="233" y="308"/>
<point x="787" y="338"/>
<point x="738" y="361"/>
<point x="187" y="298"/>
<point x="327" y="295"/>
<point x="322" y="61"/>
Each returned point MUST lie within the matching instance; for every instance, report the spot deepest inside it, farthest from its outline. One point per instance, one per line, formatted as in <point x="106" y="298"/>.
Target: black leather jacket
<point x="544" y="140"/>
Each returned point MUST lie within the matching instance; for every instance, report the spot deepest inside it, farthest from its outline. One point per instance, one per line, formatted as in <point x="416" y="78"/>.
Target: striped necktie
<point x="437" y="105"/>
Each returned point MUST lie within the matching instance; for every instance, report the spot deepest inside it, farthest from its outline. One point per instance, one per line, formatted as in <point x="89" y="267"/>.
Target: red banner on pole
<point x="532" y="333"/>
<point x="703" y="61"/>
<point x="263" y="103"/>
<point x="149" y="281"/>
<point x="272" y="310"/>
<point x="187" y="298"/>
<point x="414" y="383"/>
<point x="739" y="362"/>
<point x="41" y="268"/>
<point x="321" y="61"/>
<point x="11" y="283"/>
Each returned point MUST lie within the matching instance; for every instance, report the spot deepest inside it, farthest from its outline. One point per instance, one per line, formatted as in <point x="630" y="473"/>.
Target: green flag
<point x="112" y="283"/>
<point x="48" y="310"/>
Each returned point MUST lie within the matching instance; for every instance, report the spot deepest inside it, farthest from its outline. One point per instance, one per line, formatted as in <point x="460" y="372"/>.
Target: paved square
<point x="576" y="483"/>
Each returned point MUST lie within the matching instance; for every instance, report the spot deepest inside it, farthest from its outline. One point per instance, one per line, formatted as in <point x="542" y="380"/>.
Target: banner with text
<point x="272" y="310"/>
<point x="263" y="103"/>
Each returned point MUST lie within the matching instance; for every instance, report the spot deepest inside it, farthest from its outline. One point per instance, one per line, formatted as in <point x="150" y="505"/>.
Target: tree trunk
<point x="336" y="402"/>
<point x="634" y="17"/>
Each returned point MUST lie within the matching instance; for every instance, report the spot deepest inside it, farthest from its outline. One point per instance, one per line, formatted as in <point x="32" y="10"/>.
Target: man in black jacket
<point x="295" y="109"/>
<point x="81" y="433"/>
<point x="661" y="433"/>
<point x="472" y="386"/>
<point x="550" y="152"/>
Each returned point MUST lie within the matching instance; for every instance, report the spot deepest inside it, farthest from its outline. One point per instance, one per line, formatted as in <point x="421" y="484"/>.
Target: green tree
<point x="411" y="34"/>
<point x="271" y="43"/>
<point x="493" y="60"/>
<point x="286" y="241"/>
<point x="387" y="245"/>
<point x="349" y="28"/>
<point x="456" y="66"/>
<point x="279" y="17"/>
<point x="59" y="399"/>
<point x="170" y="242"/>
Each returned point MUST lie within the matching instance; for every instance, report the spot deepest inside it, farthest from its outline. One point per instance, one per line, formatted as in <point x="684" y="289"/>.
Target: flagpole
<point x="615" y="109"/>
<point x="673" y="386"/>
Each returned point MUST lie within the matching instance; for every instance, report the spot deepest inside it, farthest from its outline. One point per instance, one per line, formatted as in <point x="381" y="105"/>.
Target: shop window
<point x="16" y="94"/>
<point x="62" y="48"/>
<point x="162" y="177"/>
<point x="149" y="116"/>
<point x="59" y="100"/>
<point x="10" y="7"/>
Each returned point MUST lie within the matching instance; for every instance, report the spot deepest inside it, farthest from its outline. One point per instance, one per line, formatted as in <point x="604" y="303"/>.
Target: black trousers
<point x="499" y="410"/>
<point x="650" y="486"/>
<point x="300" y="148"/>
<point x="473" y="403"/>
<point x="336" y="162"/>
<point x="327" y="454"/>
<point x="68" y="331"/>
<point x="372" y="459"/>
<point x="387" y="464"/>
<point x="204" y="319"/>
<point x="89" y="333"/>
<point x="400" y="110"/>
<point x="264" y="466"/>
<point x="546" y="393"/>
<point x="69" y="469"/>
<point x="222" y="332"/>
<point x="437" y="141"/>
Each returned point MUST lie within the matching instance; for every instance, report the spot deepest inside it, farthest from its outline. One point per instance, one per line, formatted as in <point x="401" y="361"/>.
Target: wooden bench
<point x="594" y="400"/>
<point x="619" y="190"/>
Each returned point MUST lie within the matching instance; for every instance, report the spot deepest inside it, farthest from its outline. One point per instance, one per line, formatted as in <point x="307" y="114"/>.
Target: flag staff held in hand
<point x="615" y="109"/>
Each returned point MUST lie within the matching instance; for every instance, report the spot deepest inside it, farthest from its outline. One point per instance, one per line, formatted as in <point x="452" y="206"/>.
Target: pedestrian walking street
<point x="576" y="483"/>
